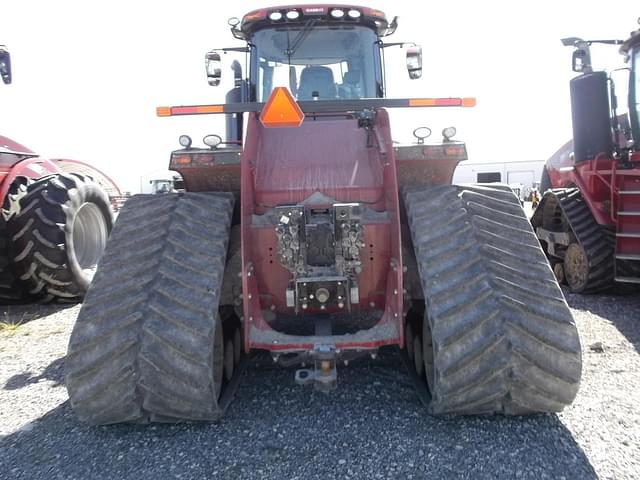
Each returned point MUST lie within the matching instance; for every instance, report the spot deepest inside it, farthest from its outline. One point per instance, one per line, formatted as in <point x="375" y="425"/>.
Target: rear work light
<point x="212" y="141"/>
<point x="448" y="133"/>
<point x="337" y="13"/>
<point x="293" y="14"/>
<point x="275" y="16"/>
<point x="185" y="141"/>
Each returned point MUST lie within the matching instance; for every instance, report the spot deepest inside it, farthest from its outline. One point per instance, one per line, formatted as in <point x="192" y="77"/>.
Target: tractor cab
<point x="317" y="52"/>
<point x="631" y="50"/>
<point x="599" y="128"/>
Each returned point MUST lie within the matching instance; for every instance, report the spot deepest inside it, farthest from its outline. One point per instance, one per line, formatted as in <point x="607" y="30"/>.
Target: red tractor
<point x="308" y="233"/>
<point x="56" y="217"/>
<point x="588" y="220"/>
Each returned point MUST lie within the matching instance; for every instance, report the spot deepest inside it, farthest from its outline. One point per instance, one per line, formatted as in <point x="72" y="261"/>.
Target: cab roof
<point x="319" y="13"/>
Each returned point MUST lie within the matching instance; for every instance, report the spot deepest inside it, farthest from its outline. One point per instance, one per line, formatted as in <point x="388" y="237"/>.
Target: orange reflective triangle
<point x="281" y="110"/>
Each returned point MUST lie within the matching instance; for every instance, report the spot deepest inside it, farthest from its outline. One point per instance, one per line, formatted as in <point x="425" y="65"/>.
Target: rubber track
<point x="504" y="338"/>
<point x="591" y="236"/>
<point x="142" y="347"/>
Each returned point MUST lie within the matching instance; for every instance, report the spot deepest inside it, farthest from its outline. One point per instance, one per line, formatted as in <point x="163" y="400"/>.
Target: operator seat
<point x="350" y="87"/>
<point x="316" y="79"/>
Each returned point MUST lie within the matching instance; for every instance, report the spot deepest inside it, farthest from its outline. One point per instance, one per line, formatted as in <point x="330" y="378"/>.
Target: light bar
<point x="322" y="106"/>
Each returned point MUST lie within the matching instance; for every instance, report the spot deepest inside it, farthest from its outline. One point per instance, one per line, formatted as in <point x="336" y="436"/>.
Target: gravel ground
<point x="373" y="426"/>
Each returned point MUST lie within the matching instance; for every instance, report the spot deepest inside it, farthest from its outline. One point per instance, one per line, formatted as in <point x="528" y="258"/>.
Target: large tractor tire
<point x="496" y="333"/>
<point x="149" y="342"/>
<point x="11" y="290"/>
<point x="588" y="260"/>
<point x="59" y="234"/>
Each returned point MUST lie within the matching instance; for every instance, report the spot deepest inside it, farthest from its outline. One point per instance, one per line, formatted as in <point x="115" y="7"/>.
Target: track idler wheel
<point x="418" y="359"/>
<point x="237" y="346"/>
<point x="408" y="339"/>
<point x="218" y="358"/>
<point x="427" y="353"/>
<point x="558" y="271"/>
<point x="576" y="268"/>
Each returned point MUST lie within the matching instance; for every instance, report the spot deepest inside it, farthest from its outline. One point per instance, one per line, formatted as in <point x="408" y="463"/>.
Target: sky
<point x="87" y="76"/>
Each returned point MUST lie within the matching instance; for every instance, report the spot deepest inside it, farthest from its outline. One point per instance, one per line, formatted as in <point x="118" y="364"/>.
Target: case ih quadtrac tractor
<point x="309" y="234"/>
<point x="56" y="217"/>
<point x="589" y="220"/>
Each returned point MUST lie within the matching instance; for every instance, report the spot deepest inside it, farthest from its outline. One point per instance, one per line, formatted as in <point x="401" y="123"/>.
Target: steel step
<point x="628" y="235"/>
<point x="629" y="192"/>
<point x="630" y="213"/>
<point x="628" y="256"/>
<point x="627" y="279"/>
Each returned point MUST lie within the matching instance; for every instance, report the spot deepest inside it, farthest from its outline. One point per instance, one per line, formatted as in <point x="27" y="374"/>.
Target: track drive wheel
<point x="59" y="234"/>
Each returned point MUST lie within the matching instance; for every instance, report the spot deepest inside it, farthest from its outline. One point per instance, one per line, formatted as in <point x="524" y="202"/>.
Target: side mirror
<point x="214" y="68"/>
<point x="414" y="62"/>
<point x="5" y="65"/>
<point x="581" y="61"/>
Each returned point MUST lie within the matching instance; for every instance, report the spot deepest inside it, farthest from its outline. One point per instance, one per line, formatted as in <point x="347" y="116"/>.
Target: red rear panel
<point x="327" y="155"/>
<point x="326" y="160"/>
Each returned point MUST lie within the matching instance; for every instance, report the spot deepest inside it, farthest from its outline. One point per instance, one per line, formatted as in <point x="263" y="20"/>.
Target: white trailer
<point x="524" y="172"/>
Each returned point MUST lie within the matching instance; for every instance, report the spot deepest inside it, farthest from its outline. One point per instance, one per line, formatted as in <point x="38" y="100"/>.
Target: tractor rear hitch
<point x="324" y="374"/>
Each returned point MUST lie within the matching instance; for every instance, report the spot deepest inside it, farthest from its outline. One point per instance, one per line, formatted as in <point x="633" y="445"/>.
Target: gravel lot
<point x="373" y="426"/>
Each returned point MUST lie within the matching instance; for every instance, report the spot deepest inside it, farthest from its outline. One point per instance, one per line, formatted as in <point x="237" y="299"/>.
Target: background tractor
<point x="56" y="217"/>
<point x="588" y="220"/>
<point x="308" y="233"/>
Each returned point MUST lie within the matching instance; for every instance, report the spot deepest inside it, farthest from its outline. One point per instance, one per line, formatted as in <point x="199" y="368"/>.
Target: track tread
<point x="591" y="236"/>
<point x="169" y="377"/>
<point x="484" y="355"/>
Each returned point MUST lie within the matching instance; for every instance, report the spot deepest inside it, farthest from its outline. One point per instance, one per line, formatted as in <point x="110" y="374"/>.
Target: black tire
<point x="11" y="289"/>
<point x="59" y="234"/>
<point x="503" y="337"/>
<point x="148" y="343"/>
